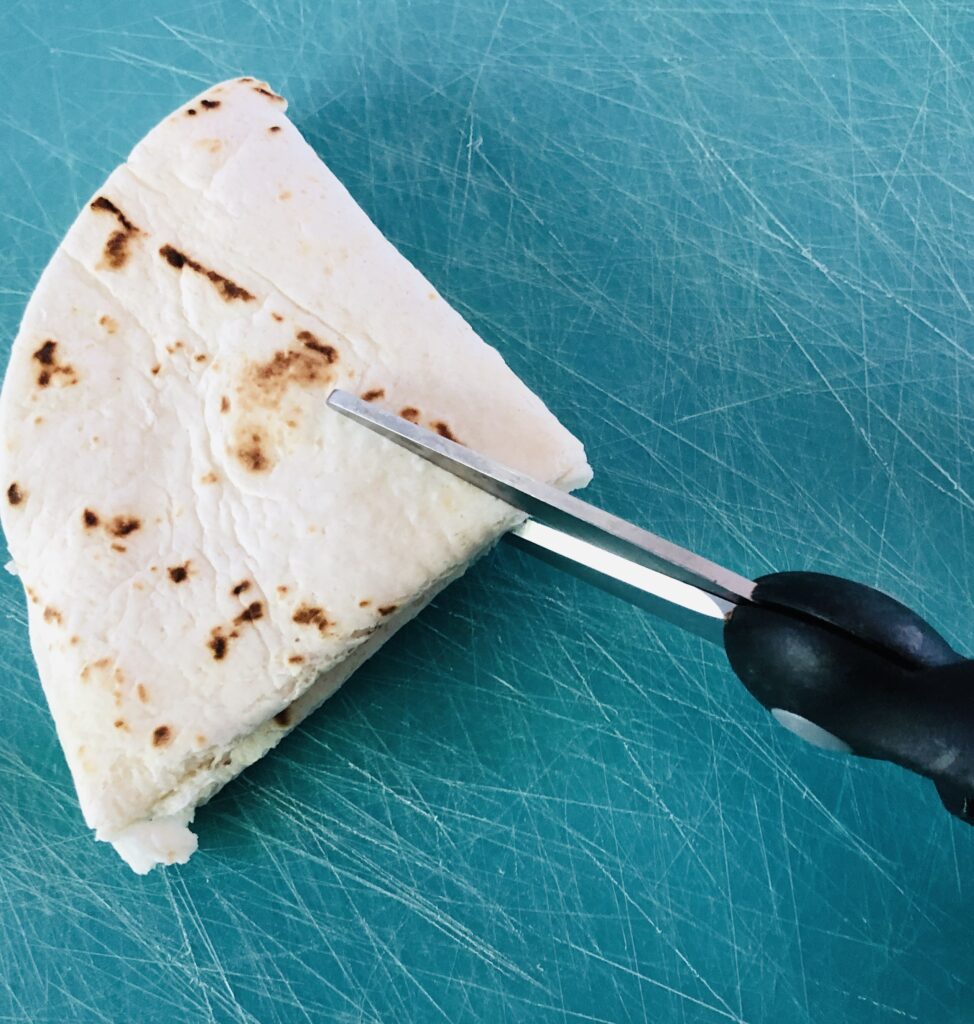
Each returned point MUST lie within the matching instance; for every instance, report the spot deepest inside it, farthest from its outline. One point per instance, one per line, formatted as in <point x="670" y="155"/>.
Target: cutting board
<point x="729" y="244"/>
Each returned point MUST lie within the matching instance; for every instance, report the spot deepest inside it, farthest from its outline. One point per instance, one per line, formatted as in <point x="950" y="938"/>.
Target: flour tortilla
<point x="207" y="551"/>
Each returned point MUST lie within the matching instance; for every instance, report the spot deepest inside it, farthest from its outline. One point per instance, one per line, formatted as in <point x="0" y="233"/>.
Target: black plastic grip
<point x="866" y="669"/>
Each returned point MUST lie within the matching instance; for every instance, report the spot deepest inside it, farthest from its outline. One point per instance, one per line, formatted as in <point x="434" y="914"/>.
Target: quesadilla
<point x="207" y="551"/>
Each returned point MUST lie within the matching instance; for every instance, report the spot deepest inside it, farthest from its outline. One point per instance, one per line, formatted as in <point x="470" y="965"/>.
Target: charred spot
<point x="44" y="378"/>
<point x="444" y="431"/>
<point x="161" y="735"/>
<point x="155" y="369"/>
<point x="364" y="604"/>
<point x="116" y="248"/>
<point x="246" y="79"/>
<point x="179" y="573"/>
<point x="224" y="285"/>
<point x="240" y="588"/>
<point x="267" y="92"/>
<point x="191" y="112"/>
<point x="119" y="723"/>
<point x="283" y="718"/>
<point x="409" y="413"/>
<point x="274" y="128"/>
<point x="52" y="615"/>
<point x="121" y="548"/>
<point x="14" y="494"/>
<point x="122" y="526"/>
<point x="251" y="613"/>
<point x="310" y="615"/>
<point x="373" y="395"/>
<point x="45" y="355"/>
<point x="224" y="404"/>
<point x="277" y="317"/>
<point x="209" y="104"/>
<point x="101" y="203"/>
<point x="173" y="257"/>
<point x="89" y="518"/>
<point x="282" y="589"/>
<point x="200" y="357"/>
<point x="388" y="609"/>
<point x="218" y="645"/>
<point x="310" y="341"/>
<point x="296" y="659"/>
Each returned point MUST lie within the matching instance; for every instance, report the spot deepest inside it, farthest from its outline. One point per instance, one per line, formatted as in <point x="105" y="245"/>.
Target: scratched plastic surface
<point x="730" y="245"/>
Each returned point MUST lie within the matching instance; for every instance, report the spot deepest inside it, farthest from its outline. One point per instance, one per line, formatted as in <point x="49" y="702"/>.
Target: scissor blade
<point x="548" y="505"/>
<point x="689" y="607"/>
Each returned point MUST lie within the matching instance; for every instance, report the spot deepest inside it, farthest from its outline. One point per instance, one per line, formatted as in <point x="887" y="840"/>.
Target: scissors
<point x="841" y="665"/>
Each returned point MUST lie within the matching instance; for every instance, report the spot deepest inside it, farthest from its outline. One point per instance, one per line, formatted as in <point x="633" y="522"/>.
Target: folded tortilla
<point x="208" y="552"/>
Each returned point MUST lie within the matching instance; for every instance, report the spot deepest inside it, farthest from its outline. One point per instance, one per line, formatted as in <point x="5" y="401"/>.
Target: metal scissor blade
<point x="550" y="506"/>
<point x="688" y="607"/>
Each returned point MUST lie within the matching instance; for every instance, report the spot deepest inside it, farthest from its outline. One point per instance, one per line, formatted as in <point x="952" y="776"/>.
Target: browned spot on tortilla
<point x="444" y="431"/>
<point x="142" y="693"/>
<point x="120" y="723"/>
<point x="38" y="420"/>
<point x="155" y="369"/>
<point x="117" y="246"/>
<point x="224" y="404"/>
<point x="210" y="478"/>
<point x="373" y="394"/>
<point x="240" y="588"/>
<point x="200" y="740"/>
<point x="101" y="663"/>
<point x="174" y="347"/>
<point x="283" y="718"/>
<point x="251" y="453"/>
<point x="247" y="79"/>
<point x="277" y="317"/>
<point x="282" y="589"/>
<point x="32" y="595"/>
<point x="52" y="615"/>
<point x="191" y="111"/>
<point x="200" y="357"/>
<point x="388" y="609"/>
<point x="268" y="93"/>
<point x="218" y="645"/>
<point x="14" y="494"/>
<point x="310" y="341"/>
<point x="310" y="615"/>
<point x="109" y="323"/>
<point x="409" y="413"/>
<point x="284" y="196"/>
<point x="253" y="612"/>
<point x="296" y="659"/>
<point x="431" y="296"/>
<point x="274" y="128"/>
<point x="122" y="526"/>
<point x="119" y="547"/>
<point x="209" y="104"/>
<point x="179" y="573"/>
<point x="364" y="604"/>
<point x="74" y="641"/>
<point x="161" y="735"/>
<point x="224" y="285"/>
<point x="89" y="518"/>
<point x="46" y="355"/>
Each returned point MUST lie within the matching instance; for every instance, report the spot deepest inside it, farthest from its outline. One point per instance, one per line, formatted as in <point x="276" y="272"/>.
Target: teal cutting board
<point x="730" y="245"/>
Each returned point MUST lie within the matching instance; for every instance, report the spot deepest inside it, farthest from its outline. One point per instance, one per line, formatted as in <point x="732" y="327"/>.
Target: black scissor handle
<point x="865" y="669"/>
